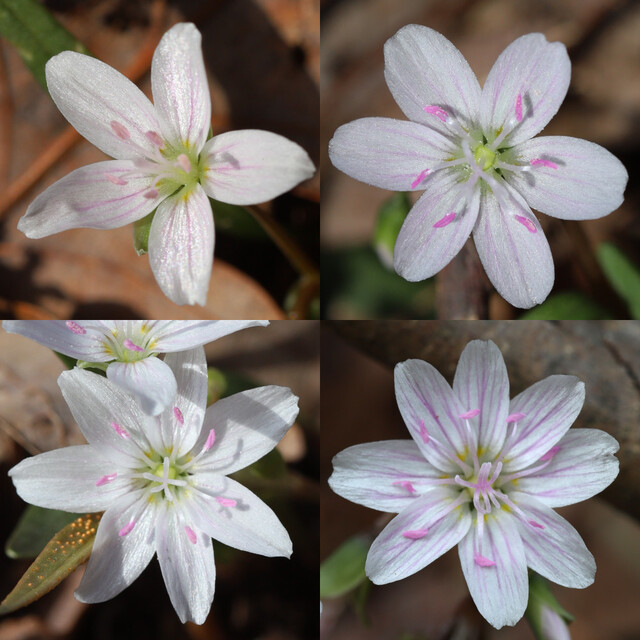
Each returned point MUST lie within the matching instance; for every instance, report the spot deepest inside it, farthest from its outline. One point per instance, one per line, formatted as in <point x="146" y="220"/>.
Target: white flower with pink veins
<point x="162" y="481"/>
<point x="472" y="151"/>
<point x="162" y="160"/>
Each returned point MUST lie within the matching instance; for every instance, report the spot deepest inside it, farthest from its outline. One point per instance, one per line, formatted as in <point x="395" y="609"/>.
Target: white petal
<point x="88" y="198"/>
<point x="117" y="560"/>
<point x="181" y="247"/>
<point x="248" y="525"/>
<point x="550" y="407"/>
<point x="83" y="340"/>
<point x="178" y="335"/>
<point x="581" y="467"/>
<point x="180" y="88"/>
<point x="247" y="425"/>
<point x="96" y="404"/>
<point x="584" y="180"/>
<point x="513" y="249"/>
<point x="556" y="551"/>
<point x="423" y="68"/>
<point x="182" y="423"/>
<point x="188" y="568"/>
<point x="251" y="166"/>
<point x="149" y="380"/>
<point x="427" y="403"/>
<point x="427" y="242"/>
<point x="386" y="476"/>
<point x="534" y="69"/>
<point x="386" y="153"/>
<point x="66" y="479"/>
<point x="481" y="382"/>
<point x="91" y="95"/>
<point x="501" y="591"/>
<point x="393" y="556"/>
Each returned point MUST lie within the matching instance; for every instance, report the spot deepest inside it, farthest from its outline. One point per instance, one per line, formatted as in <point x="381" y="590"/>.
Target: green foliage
<point x="237" y="221"/>
<point x="36" y="34"/>
<point x="541" y="597"/>
<point x="343" y="570"/>
<point x="391" y="216"/>
<point x="271" y="466"/>
<point x="225" y="383"/>
<point x="623" y="275"/>
<point x="68" y="361"/>
<point x="568" y="305"/>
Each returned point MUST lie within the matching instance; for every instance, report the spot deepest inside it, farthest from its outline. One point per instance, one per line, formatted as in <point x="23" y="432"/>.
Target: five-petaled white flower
<point x="470" y="150"/>
<point x="127" y="348"/>
<point x="482" y="473"/>
<point x="162" y="481"/>
<point x="163" y="160"/>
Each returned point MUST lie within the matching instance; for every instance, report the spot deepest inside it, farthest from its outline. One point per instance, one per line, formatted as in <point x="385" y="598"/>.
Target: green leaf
<point x="68" y="361"/>
<point x="343" y="570"/>
<point x="34" y="530"/>
<point x="141" y="230"/>
<point x="270" y="466"/>
<point x="237" y="221"/>
<point x="568" y="305"/>
<point x="391" y="216"/>
<point x="226" y="383"/>
<point x="66" y="551"/>
<point x="36" y="34"/>
<point x="623" y="275"/>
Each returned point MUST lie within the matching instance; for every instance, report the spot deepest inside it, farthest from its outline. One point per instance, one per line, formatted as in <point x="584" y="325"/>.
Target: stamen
<point x="550" y="454"/>
<point x="120" y="130"/>
<point x="535" y="524"/>
<point x="154" y="138"/>
<point x="191" y="534"/>
<point x="405" y="484"/>
<point x="106" y="479"/>
<point x="519" y="108"/>
<point x="514" y="417"/>
<point x="226" y="502"/>
<point x="151" y="194"/>
<point x="436" y="111"/>
<point x="415" y="534"/>
<point x="544" y="163"/>
<point x="184" y="162"/>
<point x="75" y="327"/>
<point x="120" y="431"/>
<point x="527" y="224"/>
<point x="211" y="438"/>
<point x="472" y="413"/>
<point x="127" y="528"/>
<point x="115" y="179"/>
<point x="481" y="561"/>
<point x="420" y="178"/>
<point x="131" y="345"/>
<point x="178" y="414"/>
<point x="443" y="222"/>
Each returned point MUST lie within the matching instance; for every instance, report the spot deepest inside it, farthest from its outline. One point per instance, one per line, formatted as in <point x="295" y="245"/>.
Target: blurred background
<point x="262" y="58"/>
<point x="358" y="405"/>
<point x="255" y="597"/>
<point x="603" y="105"/>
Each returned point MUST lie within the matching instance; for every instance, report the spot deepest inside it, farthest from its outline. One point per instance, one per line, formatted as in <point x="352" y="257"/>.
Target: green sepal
<point x="623" y="275"/>
<point x="68" y="361"/>
<point x="391" y="217"/>
<point x="343" y="570"/>
<point x="141" y="230"/>
<point x="541" y="596"/>
<point x="98" y="367"/>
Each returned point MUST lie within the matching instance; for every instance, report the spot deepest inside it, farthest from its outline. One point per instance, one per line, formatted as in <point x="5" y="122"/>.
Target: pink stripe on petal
<point x="75" y="327"/>
<point x="481" y="561"/>
<point x="415" y="534"/>
<point x="535" y="524"/>
<point x="514" y="417"/>
<point x="472" y="413"/>
<point x="550" y="454"/>
<point x="127" y="528"/>
<point x="443" y="222"/>
<point x="519" y="108"/>
<point x="191" y="534"/>
<point x="423" y="432"/>
<point x="527" y="224"/>
<point x="544" y="163"/>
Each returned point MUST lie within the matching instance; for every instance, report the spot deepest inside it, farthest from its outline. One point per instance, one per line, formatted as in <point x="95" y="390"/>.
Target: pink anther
<point x="481" y="561"/>
<point x="405" y="484"/>
<point x="470" y="414"/>
<point x="184" y="162"/>
<point x="420" y="178"/>
<point x="154" y="138"/>
<point x="120" y="130"/>
<point x="436" y="111"/>
<point x="178" y="414"/>
<point x="120" y="431"/>
<point x="191" y="534"/>
<point x="519" y="108"/>
<point x="132" y="346"/>
<point x="127" y="528"/>
<point x="527" y="224"/>
<point x="106" y="479"/>
<point x="151" y="194"/>
<point x="535" y="524"/>
<point x="448" y="219"/>
<point x="550" y="454"/>
<point x="226" y="502"/>
<point x="75" y="327"/>
<point x="514" y="417"/>
<point x="542" y="162"/>
<point x="423" y="432"/>
<point x="115" y="179"/>
<point x="211" y="438"/>
<point x="415" y="534"/>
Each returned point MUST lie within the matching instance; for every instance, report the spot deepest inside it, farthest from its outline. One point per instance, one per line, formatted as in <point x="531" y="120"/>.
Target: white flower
<point x="128" y="348"/>
<point x="163" y="160"/>
<point x="471" y="151"/>
<point x="161" y="481"/>
<point x="483" y="473"/>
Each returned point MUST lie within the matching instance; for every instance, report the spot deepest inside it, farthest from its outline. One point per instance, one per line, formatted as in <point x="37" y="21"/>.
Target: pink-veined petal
<point x="555" y="550"/>
<point x="430" y="410"/>
<point x="386" y="476"/>
<point x="393" y="556"/>
<point x="180" y="87"/>
<point x="92" y="95"/>
<point x="550" y="407"/>
<point x="386" y="153"/>
<point x="513" y="249"/>
<point x="481" y="382"/>
<point x="578" y="180"/>
<point x="437" y="227"/>
<point x="150" y="380"/>
<point x="235" y="516"/>
<point x="187" y="567"/>
<point x="117" y="559"/>
<point x="89" y="197"/>
<point x="422" y="68"/>
<point x="251" y="166"/>
<point x="66" y="479"/>
<point x="181" y="242"/>
<point x="500" y="590"/>
<point x="583" y="464"/>
<point x="247" y="425"/>
<point x="534" y="69"/>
